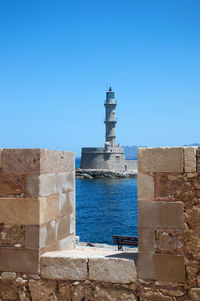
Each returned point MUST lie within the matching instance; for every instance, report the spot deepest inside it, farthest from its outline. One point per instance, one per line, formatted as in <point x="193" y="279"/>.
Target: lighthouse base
<point x="99" y="158"/>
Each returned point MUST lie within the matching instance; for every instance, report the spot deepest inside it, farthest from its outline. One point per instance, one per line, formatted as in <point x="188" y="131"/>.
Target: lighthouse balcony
<point x="110" y="102"/>
<point x="110" y="121"/>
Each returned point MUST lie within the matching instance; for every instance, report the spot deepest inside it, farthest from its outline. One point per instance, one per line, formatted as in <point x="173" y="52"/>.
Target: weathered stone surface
<point x="169" y="268"/>
<point x="191" y="244"/>
<point x="170" y="242"/>
<point x="173" y="293"/>
<point x="48" y="208"/>
<point x="8" y="291"/>
<point x="19" y="211"/>
<point x="63" y="227"/>
<point x="32" y="186"/>
<point x="32" y="239"/>
<point x="56" y="161"/>
<point x="37" y="161"/>
<point x="192" y="217"/>
<point x="145" y="187"/>
<point x="19" y="260"/>
<point x="9" y="275"/>
<point x="58" y="265"/>
<point x="191" y="272"/>
<point x="110" y="294"/>
<point x="115" y="270"/>
<point x="48" y="233"/>
<point x="194" y="294"/>
<point x="154" y="296"/>
<point x="82" y="292"/>
<point x="146" y="240"/>
<point x="12" y="235"/>
<point x="12" y="185"/>
<point x="160" y="214"/>
<point x="160" y="159"/>
<point x="146" y="265"/>
<point x="190" y="159"/>
<point x="21" y="161"/>
<point x="64" y="290"/>
<point x="67" y="243"/>
<point x="66" y="203"/>
<point x="56" y="183"/>
<point x="42" y="290"/>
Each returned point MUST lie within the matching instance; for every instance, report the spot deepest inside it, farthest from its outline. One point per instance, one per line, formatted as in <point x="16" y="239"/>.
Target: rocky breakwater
<point x="103" y="174"/>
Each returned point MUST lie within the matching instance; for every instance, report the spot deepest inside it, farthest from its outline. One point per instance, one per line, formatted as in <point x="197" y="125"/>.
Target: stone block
<point x="160" y="159"/>
<point x="146" y="266"/>
<point x="152" y="295"/>
<point x="12" y="185"/>
<point x="56" y="161"/>
<point x="19" y="260"/>
<point x="190" y="159"/>
<point x="56" y="183"/>
<point x="160" y="214"/>
<point x="115" y="270"/>
<point x="72" y="224"/>
<point x="161" y="267"/>
<point x="32" y="186"/>
<point x="48" y="208"/>
<point x="111" y="293"/>
<point x="67" y="243"/>
<point x="11" y="235"/>
<point x="161" y="186"/>
<point x="19" y="211"/>
<point x="21" y="161"/>
<point x="8" y="275"/>
<point x="58" y="265"/>
<point x="32" y="238"/>
<point x="145" y="187"/>
<point x="63" y="227"/>
<point x="48" y="233"/>
<point x="68" y="181"/>
<point x="66" y="203"/>
<point x="37" y="161"/>
<point x="146" y="240"/>
<point x="169" y="268"/>
<point x="48" y="184"/>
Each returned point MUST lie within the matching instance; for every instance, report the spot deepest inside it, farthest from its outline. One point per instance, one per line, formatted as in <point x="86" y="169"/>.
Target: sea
<point x="105" y="207"/>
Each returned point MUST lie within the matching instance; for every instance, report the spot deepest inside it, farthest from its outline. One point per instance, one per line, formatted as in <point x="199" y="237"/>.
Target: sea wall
<point x="168" y="265"/>
<point x="131" y="165"/>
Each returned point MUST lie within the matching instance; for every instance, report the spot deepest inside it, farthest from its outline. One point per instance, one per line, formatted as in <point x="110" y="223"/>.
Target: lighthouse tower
<point x="111" y="156"/>
<point x="110" y="120"/>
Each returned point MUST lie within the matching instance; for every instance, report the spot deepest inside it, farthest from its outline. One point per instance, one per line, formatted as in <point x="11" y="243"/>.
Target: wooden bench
<point x="125" y="240"/>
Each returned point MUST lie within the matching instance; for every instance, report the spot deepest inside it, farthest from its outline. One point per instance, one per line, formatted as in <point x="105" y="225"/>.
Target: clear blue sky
<point x="56" y="58"/>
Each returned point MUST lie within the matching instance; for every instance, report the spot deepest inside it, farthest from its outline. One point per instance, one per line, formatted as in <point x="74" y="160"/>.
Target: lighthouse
<point x="111" y="156"/>
<point x="110" y="119"/>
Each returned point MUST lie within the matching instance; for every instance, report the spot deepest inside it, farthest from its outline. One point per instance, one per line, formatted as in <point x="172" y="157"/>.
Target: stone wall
<point x="168" y="268"/>
<point x="169" y="221"/>
<point x="37" y="206"/>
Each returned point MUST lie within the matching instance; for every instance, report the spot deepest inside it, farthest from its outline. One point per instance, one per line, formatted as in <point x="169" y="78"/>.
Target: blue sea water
<point x="105" y="207"/>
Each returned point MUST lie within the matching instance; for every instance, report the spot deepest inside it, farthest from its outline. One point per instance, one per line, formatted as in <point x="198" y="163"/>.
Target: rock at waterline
<point x="103" y="174"/>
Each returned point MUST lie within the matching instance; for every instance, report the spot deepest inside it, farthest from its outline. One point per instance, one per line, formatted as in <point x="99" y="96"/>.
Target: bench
<point x="125" y="240"/>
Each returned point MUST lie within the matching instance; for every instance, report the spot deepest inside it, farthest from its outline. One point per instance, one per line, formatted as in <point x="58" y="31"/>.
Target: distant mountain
<point x="193" y="144"/>
<point x="131" y="151"/>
